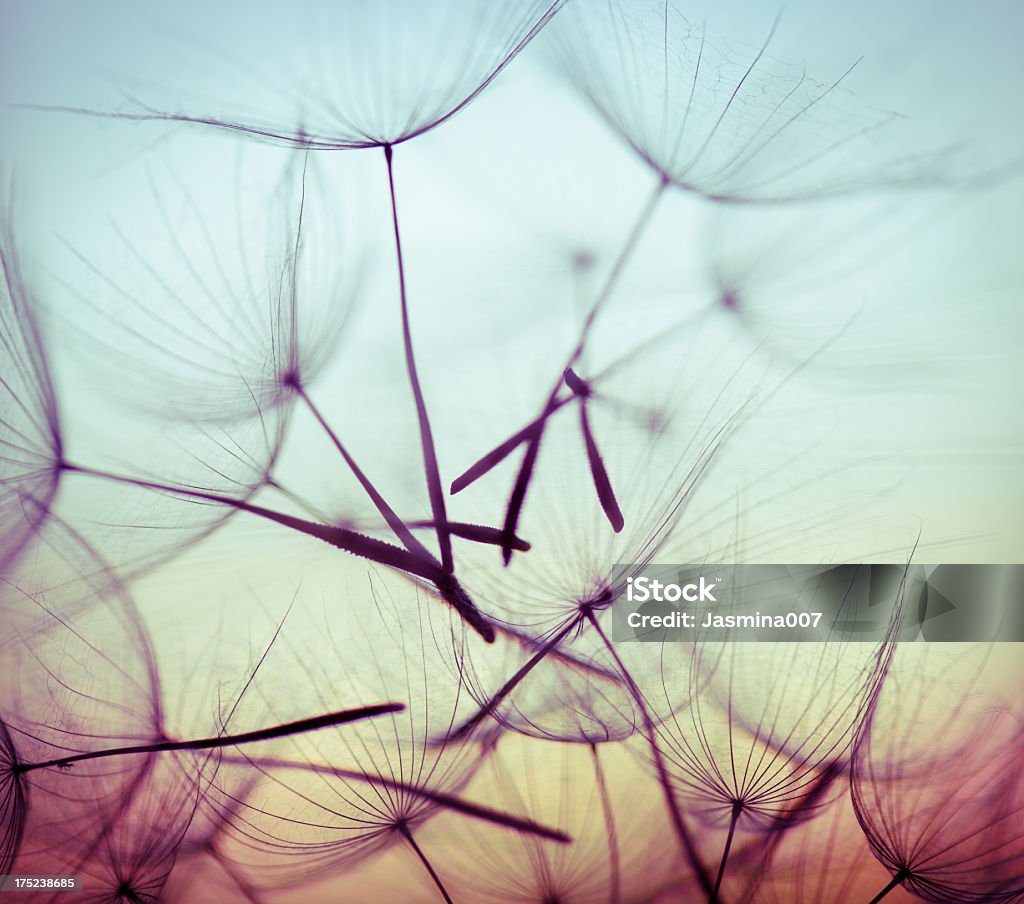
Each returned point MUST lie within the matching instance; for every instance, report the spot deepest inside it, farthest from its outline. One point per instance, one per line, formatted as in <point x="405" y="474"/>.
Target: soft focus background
<point x="881" y="333"/>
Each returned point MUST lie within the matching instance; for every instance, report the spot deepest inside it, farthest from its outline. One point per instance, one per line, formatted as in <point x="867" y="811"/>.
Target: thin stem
<point x="430" y="466"/>
<point x="893" y="883"/>
<point x="397" y="525"/>
<point x="404" y="830"/>
<point x="566" y="657"/>
<point x="829" y="774"/>
<point x="300" y="501"/>
<point x="339" y="537"/>
<point x="478" y="533"/>
<point x="639" y="226"/>
<point x="350" y="541"/>
<point x="263" y="734"/>
<point x="518" y="497"/>
<point x="614" y="862"/>
<point x="500" y="452"/>
<point x="678" y="824"/>
<point x="488" y="708"/>
<point x="737" y="809"/>
<point x="447" y="801"/>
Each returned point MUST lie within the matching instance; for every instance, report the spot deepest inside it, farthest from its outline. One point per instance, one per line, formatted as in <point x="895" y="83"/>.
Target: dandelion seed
<point x="279" y="352"/>
<point x="231" y="309"/>
<point x="574" y="575"/>
<point x="330" y="800"/>
<point x="82" y="724"/>
<point x="937" y="787"/>
<point x="64" y="694"/>
<point x="31" y="445"/>
<point x="726" y="122"/>
<point x="426" y="95"/>
<point x="819" y="860"/>
<point x="366" y="77"/>
<point x="762" y="745"/>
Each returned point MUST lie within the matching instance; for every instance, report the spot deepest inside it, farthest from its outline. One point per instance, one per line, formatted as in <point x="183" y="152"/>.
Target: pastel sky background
<point x="892" y="322"/>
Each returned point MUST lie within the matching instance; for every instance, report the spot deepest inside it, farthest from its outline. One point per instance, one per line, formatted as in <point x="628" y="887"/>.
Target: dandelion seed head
<point x="943" y="816"/>
<point x="369" y="76"/>
<point x="31" y="444"/>
<point x="724" y="121"/>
